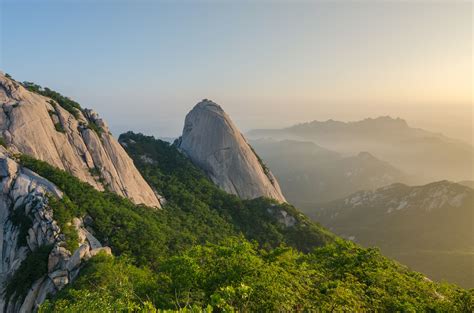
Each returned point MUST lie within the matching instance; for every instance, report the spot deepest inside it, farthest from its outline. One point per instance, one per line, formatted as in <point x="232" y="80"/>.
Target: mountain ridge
<point x="411" y="224"/>
<point x="60" y="132"/>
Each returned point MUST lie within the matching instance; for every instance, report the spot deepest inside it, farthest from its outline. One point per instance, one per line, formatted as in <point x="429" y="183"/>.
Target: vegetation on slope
<point x="265" y="168"/>
<point x="69" y="105"/>
<point x="196" y="252"/>
<point x="236" y="275"/>
<point x="186" y="186"/>
<point x="31" y="269"/>
<point x="144" y="234"/>
<point x="65" y="102"/>
<point x="413" y="224"/>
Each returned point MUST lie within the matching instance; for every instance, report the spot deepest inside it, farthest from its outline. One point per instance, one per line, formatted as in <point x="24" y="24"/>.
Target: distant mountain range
<point x="427" y="155"/>
<point x="366" y="196"/>
<point x="309" y="173"/>
<point x="467" y="183"/>
<point x="428" y="227"/>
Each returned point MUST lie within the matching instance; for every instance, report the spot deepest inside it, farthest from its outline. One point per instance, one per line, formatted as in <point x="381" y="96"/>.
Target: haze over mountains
<point x="426" y="155"/>
<point x="309" y="173"/>
<point x="428" y="227"/>
<point x="354" y="188"/>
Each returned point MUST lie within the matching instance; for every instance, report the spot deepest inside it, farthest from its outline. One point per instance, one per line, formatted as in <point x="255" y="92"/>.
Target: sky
<point x="144" y="64"/>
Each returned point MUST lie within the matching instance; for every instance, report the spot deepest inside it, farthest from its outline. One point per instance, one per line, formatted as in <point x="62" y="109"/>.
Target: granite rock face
<point x="213" y="142"/>
<point x="24" y="193"/>
<point x="35" y="125"/>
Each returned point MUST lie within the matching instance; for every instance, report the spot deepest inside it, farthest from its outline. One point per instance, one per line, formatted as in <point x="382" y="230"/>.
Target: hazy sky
<point x="144" y="64"/>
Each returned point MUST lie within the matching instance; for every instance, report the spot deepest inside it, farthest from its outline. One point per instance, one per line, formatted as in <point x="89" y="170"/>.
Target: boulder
<point x="60" y="278"/>
<point x="29" y="301"/>
<point x="81" y="253"/>
<point x="96" y="251"/>
<point x="58" y="258"/>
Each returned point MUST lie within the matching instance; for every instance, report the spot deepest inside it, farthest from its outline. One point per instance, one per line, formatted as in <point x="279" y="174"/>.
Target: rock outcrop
<point x="26" y="225"/>
<point x="79" y="143"/>
<point x="213" y="142"/>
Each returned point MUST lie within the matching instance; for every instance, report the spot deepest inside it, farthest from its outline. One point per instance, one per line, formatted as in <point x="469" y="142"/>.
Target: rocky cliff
<point x="214" y="143"/>
<point x="75" y="140"/>
<point x="28" y="234"/>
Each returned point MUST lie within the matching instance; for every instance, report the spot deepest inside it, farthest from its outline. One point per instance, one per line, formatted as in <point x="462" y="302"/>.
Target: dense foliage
<point x="196" y="212"/>
<point x="145" y="234"/>
<point x="107" y="284"/>
<point x="31" y="269"/>
<point x="196" y="253"/>
<point x="236" y="275"/>
<point x="186" y="186"/>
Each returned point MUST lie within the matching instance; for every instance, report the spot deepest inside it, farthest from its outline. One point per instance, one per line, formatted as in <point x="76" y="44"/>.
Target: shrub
<point x="94" y="127"/>
<point x="59" y="127"/>
<point x="23" y="222"/>
<point x="3" y="142"/>
<point x="31" y="269"/>
<point x="164" y="258"/>
<point x="66" y="103"/>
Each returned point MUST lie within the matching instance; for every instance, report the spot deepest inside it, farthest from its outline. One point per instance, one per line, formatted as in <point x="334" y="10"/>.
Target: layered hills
<point x="427" y="227"/>
<point x="390" y="139"/>
<point x="309" y="173"/>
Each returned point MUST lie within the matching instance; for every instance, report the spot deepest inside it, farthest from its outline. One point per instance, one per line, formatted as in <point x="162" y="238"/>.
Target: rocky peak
<point x="210" y="105"/>
<point x="364" y="155"/>
<point x="94" y="117"/>
<point x="71" y="138"/>
<point x="214" y="143"/>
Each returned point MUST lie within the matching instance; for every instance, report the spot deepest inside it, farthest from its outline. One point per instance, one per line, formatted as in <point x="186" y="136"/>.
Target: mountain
<point x="309" y="173"/>
<point x="37" y="260"/>
<point x="427" y="227"/>
<point x="69" y="245"/>
<point x="213" y="142"/>
<point x="186" y="185"/>
<point x="190" y="253"/>
<point x="42" y="123"/>
<point x="467" y="183"/>
<point x="425" y="155"/>
<point x="346" y="266"/>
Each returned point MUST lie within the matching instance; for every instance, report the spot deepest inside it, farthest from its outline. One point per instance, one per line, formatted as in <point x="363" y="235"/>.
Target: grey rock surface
<point x="213" y="142"/>
<point x="23" y="192"/>
<point x="28" y="124"/>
